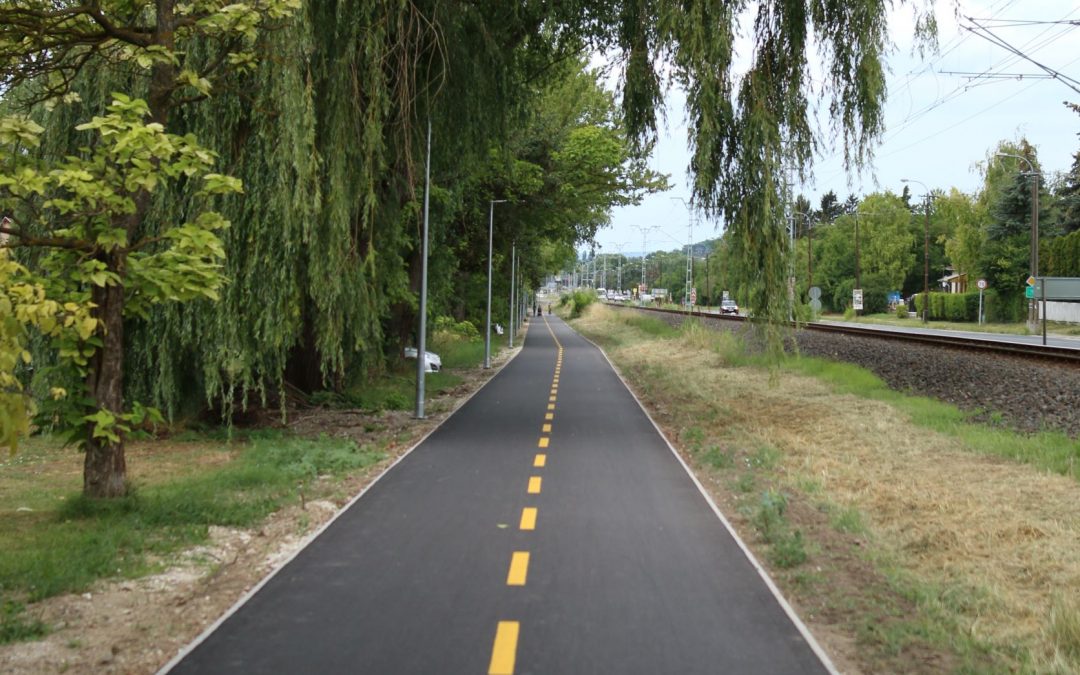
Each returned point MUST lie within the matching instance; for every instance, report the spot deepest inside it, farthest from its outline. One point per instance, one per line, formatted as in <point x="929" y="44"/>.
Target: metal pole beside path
<point x="421" y="337"/>
<point x="513" y="281"/>
<point x="1044" y="310"/>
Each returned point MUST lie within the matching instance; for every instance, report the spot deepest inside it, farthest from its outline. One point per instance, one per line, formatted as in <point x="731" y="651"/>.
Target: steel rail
<point x="1048" y="352"/>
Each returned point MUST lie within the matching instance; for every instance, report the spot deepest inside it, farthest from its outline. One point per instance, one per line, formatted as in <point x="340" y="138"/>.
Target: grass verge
<point x="64" y="542"/>
<point x="931" y="543"/>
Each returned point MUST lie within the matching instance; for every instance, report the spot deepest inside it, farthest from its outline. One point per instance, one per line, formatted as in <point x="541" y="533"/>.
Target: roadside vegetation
<point x="909" y="537"/>
<point x="193" y="479"/>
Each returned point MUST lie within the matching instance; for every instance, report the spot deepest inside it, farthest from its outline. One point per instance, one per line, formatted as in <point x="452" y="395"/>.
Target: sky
<point x="939" y="126"/>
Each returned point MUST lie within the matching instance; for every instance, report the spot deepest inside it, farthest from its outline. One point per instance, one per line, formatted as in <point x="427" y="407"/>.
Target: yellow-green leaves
<point x="17" y="129"/>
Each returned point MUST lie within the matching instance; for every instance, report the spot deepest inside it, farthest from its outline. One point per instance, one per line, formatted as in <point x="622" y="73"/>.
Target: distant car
<point x="729" y="307"/>
<point x="432" y="362"/>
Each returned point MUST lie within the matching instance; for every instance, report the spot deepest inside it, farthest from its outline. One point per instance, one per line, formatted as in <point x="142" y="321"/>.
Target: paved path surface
<point x="544" y="528"/>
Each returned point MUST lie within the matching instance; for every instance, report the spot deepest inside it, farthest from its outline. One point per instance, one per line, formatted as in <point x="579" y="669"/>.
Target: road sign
<point x="1031" y="281"/>
<point x="1029" y="292"/>
<point x="1057" y="288"/>
<point x="815" y="304"/>
<point x="856" y="299"/>
<point x="981" y="283"/>
<point x="815" y="293"/>
<point x="693" y="296"/>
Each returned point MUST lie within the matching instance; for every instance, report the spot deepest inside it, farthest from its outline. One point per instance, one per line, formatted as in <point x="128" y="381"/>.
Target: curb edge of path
<point x="788" y="609"/>
<point x="201" y="637"/>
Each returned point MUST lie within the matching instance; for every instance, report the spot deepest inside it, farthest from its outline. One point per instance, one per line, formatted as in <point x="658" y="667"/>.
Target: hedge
<point x="953" y="306"/>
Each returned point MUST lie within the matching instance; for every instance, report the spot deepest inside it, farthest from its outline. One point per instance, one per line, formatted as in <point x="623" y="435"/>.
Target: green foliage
<point x="954" y="306"/>
<point x="15" y="626"/>
<point x="788" y="550"/>
<point x="78" y="210"/>
<point x="901" y="311"/>
<point x="579" y="300"/>
<point x="87" y="539"/>
<point x="1060" y="256"/>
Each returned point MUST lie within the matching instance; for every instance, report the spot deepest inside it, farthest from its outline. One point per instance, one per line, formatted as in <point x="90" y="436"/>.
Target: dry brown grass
<point x="1003" y="534"/>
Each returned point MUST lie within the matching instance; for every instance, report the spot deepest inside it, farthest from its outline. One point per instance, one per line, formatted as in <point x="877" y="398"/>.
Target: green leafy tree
<point x="93" y="264"/>
<point x="86" y="211"/>
<point x="887" y="245"/>
<point x="1006" y="197"/>
<point x="965" y="236"/>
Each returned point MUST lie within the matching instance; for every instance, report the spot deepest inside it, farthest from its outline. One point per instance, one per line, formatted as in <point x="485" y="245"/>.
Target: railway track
<point x="1063" y="355"/>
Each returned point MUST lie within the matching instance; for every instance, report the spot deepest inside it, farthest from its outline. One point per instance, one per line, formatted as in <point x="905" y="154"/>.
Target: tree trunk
<point x="105" y="469"/>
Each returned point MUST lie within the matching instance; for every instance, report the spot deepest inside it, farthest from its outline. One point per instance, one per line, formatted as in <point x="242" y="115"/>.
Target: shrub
<point x="579" y="300"/>
<point x="447" y="328"/>
<point x="788" y="550"/>
<point x="901" y="311"/>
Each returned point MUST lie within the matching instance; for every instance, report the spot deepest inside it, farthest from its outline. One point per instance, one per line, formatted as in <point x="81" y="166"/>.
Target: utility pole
<point x="644" y="244"/>
<point x="926" y="251"/>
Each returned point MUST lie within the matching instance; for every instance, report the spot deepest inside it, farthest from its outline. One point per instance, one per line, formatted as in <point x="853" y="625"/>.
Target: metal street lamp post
<point x="487" y="332"/>
<point x="513" y="280"/>
<point x="926" y="251"/>
<point x="421" y="338"/>
<point x="1033" y="311"/>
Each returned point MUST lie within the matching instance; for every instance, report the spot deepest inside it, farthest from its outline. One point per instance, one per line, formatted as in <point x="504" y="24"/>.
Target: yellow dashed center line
<point x="519" y="569"/>
<point x="540" y="460"/>
<point x="549" y="416"/>
<point x="534" y="485"/>
<point x="551" y="399"/>
<point x="528" y="518"/>
<point x="551" y="406"/>
<point x="504" y="651"/>
<point x="546" y="428"/>
<point x="544" y="440"/>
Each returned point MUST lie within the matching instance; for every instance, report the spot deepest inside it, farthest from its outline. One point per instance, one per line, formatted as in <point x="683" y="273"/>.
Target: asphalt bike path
<point x="545" y="527"/>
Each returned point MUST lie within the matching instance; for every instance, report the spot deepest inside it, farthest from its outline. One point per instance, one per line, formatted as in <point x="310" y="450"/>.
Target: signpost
<point x="1053" y="288"/>
<point x="693" y="297"/>
<point x="856" y="299"/>
<point x="815" y="299"/>
<point x="981" y="283"/>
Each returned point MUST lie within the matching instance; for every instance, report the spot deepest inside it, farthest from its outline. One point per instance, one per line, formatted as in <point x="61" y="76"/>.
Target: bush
<point x="446" y="328"/>
<point x="579" y="300"/>
<point x="901" y="311"/>
<point x="952" y="306"/>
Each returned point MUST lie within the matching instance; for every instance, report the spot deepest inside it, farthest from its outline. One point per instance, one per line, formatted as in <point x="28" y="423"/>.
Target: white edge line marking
<point x="807" y="635"/>
<point x="191" y="646"/>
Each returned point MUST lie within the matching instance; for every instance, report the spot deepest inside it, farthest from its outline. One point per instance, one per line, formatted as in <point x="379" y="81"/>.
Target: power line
<point x="988" y="35"/>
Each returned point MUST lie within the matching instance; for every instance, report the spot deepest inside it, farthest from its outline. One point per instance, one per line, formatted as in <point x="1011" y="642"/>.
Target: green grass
<point x="67" y="547"/>
<point x="15" y="626"/>
<point x="396" y="389"/>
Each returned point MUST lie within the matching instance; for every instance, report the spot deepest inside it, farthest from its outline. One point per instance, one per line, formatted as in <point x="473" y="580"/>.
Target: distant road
<point x="546" y="527"/>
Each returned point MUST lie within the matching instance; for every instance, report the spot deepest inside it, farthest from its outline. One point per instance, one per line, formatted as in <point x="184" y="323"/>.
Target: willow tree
<point x="87" y="211"/>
